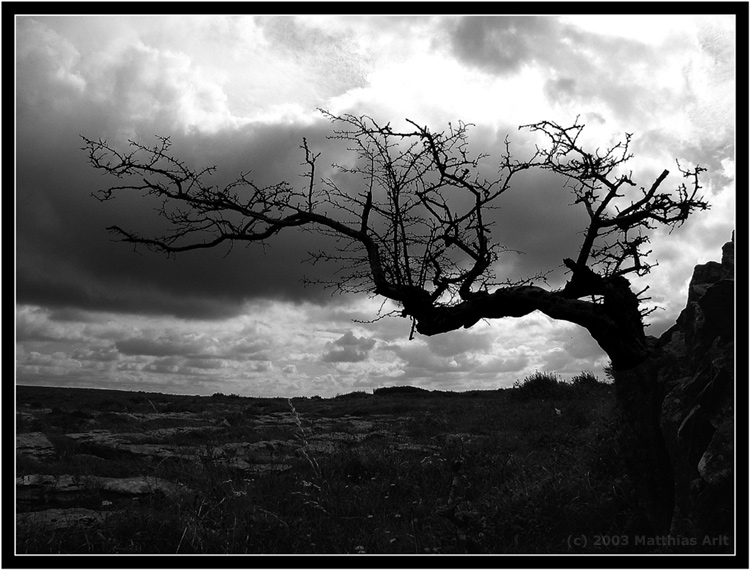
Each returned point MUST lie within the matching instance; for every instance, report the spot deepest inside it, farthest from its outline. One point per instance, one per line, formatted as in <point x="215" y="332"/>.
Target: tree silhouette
<point x="413" y="223"/>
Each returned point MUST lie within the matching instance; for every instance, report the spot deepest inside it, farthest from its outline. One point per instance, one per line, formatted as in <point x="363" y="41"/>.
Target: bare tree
<point x="411" y="220"/>
<point x="413" y="224"/>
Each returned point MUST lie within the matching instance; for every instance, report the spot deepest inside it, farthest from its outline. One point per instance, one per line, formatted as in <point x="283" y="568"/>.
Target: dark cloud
<point x="67" y="259"/>
<point x="205" y="363"/>
<point x="67" y="85"/>
<point x="561" y="89"/>
<point x="74" y="315"/>
<point x="196" y="348"/>
<point x="539" y="226"/>
<point x="156" y="347"/>
<point x="581" y="66"/>
<point x="503" y="44"/>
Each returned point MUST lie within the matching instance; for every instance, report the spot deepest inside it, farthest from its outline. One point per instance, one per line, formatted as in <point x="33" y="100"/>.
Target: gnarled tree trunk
<point x="639" y="399"/>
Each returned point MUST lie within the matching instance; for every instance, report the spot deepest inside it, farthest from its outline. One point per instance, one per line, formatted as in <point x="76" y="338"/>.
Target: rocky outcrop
<point x="695" y="374"/>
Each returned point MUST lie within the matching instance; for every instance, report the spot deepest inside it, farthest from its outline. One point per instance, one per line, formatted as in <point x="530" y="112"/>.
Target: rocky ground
<point x="103" y="441"/>
<point x="514" y="471"/>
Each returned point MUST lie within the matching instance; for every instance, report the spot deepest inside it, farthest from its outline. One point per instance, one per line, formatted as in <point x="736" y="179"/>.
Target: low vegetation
<point x="508" y="471"/>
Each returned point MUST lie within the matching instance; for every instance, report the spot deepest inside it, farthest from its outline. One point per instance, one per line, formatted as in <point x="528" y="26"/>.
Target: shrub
<point x="352" y="395"/>
<point x="540" y="385"/>
<point x="586" y="380"/>
<point x="609" y="373"/>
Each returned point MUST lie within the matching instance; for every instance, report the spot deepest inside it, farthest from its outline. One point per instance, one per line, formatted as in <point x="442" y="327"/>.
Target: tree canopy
<point x="413" y="222"/>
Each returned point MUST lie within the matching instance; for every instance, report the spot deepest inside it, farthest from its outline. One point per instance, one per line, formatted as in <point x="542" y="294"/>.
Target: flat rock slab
<point x="25" y="417"/>
<point x="322" y="446"/>
<point x="125" y="486"/>
<point x="106" y="443"/>
<point x="239" y="455"/>
<point x="276" y="419"/>
<point x="237" y="463"/>
<point x="357" y="425"/>
<point x="271" y="446"/>
<point x="35" y="445"/>
<point x="61" y="518"/>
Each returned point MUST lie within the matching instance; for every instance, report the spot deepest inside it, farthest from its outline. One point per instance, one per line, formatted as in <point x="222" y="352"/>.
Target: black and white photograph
<point x="349" y="282"/>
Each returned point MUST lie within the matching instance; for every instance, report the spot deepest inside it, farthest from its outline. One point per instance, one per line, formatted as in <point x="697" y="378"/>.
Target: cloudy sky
<point x="241" y="93"/>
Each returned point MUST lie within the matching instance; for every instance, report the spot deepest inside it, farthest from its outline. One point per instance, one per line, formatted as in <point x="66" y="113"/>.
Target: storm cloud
<point x="241" y="93"/>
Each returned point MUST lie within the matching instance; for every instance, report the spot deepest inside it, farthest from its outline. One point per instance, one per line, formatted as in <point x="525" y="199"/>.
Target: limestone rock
<point x="25" y="418"/>
<point x="34" y="445"/>
<point x="60" y="518"/>
<point x="106" y="444"/>
<point x="140" y="486"/>
<point x="62" y="484"/>
<point x="697" y="412"/>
